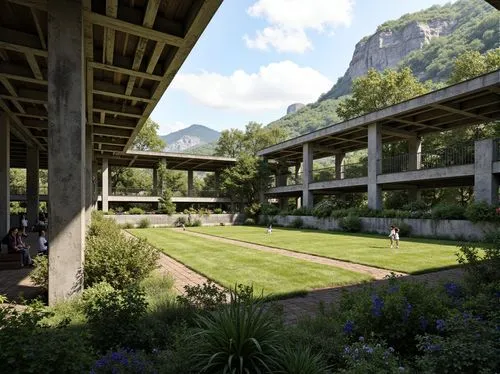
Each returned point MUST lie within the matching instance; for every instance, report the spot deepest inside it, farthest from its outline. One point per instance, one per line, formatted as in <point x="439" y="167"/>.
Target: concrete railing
<point x="438" y="229"/>
<point x="163" y="220"/>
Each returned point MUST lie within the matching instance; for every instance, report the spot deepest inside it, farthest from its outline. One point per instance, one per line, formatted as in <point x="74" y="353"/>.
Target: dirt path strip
<point x="183" y="276"/>
<point x="376" y="273"/>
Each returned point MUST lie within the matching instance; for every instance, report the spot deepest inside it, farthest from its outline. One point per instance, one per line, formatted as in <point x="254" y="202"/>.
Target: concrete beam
<point x="66" y="140"/>
<point x="398" y="132"/>
<point x="32" y="184"/>
<point x="4" y="173"/>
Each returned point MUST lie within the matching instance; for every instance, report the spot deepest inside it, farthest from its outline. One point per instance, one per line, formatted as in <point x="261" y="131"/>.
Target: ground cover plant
<point x="413" y="255"/>
<point x="229" y="264"/>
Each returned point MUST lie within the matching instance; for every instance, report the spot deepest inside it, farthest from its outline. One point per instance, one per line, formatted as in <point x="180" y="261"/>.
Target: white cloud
<point x="290" y="19"/>
<point x="172" y="127"/>
<point x="273" y="87"/>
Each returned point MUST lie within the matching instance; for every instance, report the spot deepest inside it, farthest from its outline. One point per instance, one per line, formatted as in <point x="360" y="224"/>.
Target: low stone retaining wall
<point x="159" y="220"/>
<point x="451" y="229"/>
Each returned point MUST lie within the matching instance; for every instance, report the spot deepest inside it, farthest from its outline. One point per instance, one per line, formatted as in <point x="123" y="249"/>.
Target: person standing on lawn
<point x="392" y="235"/>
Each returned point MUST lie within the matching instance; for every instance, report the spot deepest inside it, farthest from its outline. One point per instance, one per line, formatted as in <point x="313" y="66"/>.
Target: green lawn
<point x="229" y="264"/>
<point x="413" y="255"/>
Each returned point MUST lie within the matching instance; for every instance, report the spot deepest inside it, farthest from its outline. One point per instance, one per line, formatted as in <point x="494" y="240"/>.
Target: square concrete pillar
<point x="66" y="147"/>
<point x="89" y="185"/>
<point x="105" y="185"/>
<point x="32" y="185"/>
<point x="190" y="183"/>
<point x="95" y="178"/>
<point x="485" y="182"/>
<point x="339" y="171"/>
<point x="374" y="166"/>
<point x="414" y="153"/>
<point x="307" y="168"/>
<point x="4" y="174"/>
<point x="155" y="181"/>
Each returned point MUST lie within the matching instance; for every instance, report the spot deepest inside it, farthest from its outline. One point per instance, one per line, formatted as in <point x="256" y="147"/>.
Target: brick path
<point x="376" y="273"/>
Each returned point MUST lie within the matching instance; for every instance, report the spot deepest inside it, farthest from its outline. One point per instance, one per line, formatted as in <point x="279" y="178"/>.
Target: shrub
<point x="300" y="360"/>
<point x="217" y="211"/>
<point x="404" y="228"/>
<point x="196" y="223"/>
<point x="113" y="315"/>
<point x="127" y="225"/>
<point x="324" y="208"/>
<point x="302" y="211"/>
<point x="253" y="210"/>
<point x="144" y="223"/>
<point x="481" y="212"/>
<point x="166" y="205"/>
<point x="350" y="223"/>
<point x="207" y="296"/>
<point x="115" y="259"/>
<point x="297" y="223"/>
<point x="136" y="210"/>
<point x="418" y="205"/>
<point x="366" y="357"/>
<point x="249" y="221"/>
<point x="101" y="226"/>
<point x="269" y="210"/>
<point x="180" y="221"/>
<point x="29" y="346"/>
<point x="238" y="338"/>
<point x="124" y="361"/>
<point x="40" y="274"/>
<point x="445" y="211"/>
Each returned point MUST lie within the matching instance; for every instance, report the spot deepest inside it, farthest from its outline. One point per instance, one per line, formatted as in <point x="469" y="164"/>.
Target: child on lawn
<point x="270" y="229"/>
<point x="392" y="235"/>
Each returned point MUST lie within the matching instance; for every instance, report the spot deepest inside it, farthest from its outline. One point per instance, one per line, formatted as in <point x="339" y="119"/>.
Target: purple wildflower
<point x="423" y="323"/>
<point x="407" y="311"/>
<point x="440" y="325"/>
<point x="348" y="327"/>
<point x="377" y="305"/>
<point x="453" y="290"/>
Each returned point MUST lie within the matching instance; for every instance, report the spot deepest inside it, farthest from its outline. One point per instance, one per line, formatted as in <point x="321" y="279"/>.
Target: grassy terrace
<point x="413" y="256"/>
<point x="228" y="264"/>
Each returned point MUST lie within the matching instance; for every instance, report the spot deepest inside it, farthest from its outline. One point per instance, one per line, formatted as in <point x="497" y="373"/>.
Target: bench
<point x="10" y="260"/>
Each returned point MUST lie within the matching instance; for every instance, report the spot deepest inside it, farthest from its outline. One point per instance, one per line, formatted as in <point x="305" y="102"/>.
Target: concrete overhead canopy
<point x="133" y="49"/>
<point x="495" y="3"/>
<point x="473" y="101"/>
<point x="175" y="161"/>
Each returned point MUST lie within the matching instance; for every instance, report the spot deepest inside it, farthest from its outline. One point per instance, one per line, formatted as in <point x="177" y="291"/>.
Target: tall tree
<point x="148" y="138"/>
<point x="472" y="63"/>
<point x="230" y="143"/>
<point x="377" y="90"/>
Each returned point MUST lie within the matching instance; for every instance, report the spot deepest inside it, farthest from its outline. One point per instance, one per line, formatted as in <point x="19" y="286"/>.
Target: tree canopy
<point x="148" y="138"/>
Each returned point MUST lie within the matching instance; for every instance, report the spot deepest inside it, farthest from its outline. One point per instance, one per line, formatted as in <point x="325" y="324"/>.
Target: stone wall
<point x="451" y="229"/>
<point x="159" y="220"/>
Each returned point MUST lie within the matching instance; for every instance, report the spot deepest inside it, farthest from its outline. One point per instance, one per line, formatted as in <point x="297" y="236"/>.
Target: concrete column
<point x="414" y="153"/>
<point x="66" y="147"/>
<point x="190" y="183"/>
<point x="217" y="185"/>
<point x="105" y="185"/>
<point x="89" y="185"/>
<point x="110" y="180"/>
<point x="485" y="182"/>
<point x="160" y="187"/>
<point x="32" y="185"/>
<point x="155" y="181"/>
<point x="307" y="162"/>
<point x="4" y="174"/>
<point x="95" y="178"/>
<point x="339" y="171"/>
<point x="374" y="163"/>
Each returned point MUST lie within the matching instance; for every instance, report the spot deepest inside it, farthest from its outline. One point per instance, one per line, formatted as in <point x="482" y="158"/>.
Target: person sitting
<point x="16" y="245"/>
<point x="43" y="245"/>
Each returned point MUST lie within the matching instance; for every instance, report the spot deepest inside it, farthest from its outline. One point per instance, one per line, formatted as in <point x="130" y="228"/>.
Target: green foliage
<point x="265" y="210"/>
<point x="40" y="274"/>
<point x="482" y="212"/>
<point x="230" y="143"/>
<point x="253" y="210"/>
<point x="113" y="315"/>
<point x="127" y="225"/>
<point x="297" y="223"/>
<point x="135" y="210"/>
<point x="207" y="296"/>
<point x="302" y="211"/>
<point x="144" y="223"/>
<point x="350" y="223"/>
<point x="196" y="223"/>
<point x="125" y="361"/>
<point x="448" y="211"/>
<point x="377" y="90"/>
<point x="29" y="346"/>
<point x="364" y="357"/>
<point x="483" y="261"/>
<point x="240" y="338"/>
<point x="249" y="222"/>
<point x="166" y="204"/>
<point x="472" y="63"/>
<point x="396" y="313"/>
<point x="113" y="258"/>
<point x="300" y="360"/>
<point x="217" y="211"/>
<point x="404" y="228"/>
<point x="148" y="139"/>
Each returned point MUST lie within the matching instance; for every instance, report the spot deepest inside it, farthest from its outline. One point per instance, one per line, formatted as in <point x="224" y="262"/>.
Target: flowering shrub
<point x="123" y="361"/>
<point x="396" y="313"/>
<point x="363" y="357"/>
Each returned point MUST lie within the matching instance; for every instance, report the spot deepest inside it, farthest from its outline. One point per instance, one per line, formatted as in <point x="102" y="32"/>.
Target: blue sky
<point x="258" y="56"/>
